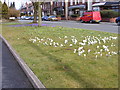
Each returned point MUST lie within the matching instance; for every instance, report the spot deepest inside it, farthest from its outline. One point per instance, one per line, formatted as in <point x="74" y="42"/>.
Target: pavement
<point x="12" y="74"/>
<point x="103" y="26"/>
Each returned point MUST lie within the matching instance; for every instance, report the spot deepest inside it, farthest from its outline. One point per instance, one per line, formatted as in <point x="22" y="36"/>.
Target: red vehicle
<point x="93" y="16"/>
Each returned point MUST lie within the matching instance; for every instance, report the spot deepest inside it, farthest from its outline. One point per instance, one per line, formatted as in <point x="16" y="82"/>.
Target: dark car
<point x="45" y="18"/>
<point x="118" y="20"/>
<point x="32" y="18"/>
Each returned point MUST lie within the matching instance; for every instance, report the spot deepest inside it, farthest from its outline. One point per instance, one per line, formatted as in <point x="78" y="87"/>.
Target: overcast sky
<point x="17" y="2"/>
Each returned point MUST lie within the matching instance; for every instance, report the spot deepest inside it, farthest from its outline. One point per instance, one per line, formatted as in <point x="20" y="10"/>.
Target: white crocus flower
<point x="34" y="40"/>
<point x="70" y="45"/>
<point x="89" y="50"/>
<point x="59" y="37"/>
<point x="80" y="48"/>
<point x="101" y="50"/>
<point x="57" y="44"/>
<point x="114" y="38"/>
<point x="96" y="56"/>
<point x="42" y="39"/>
<point x="61" y="45"/>
<point x="54" y="43"/>
<point x="84" y="55"/>
<point x="82" y="43"/>
<point x="104" y="41"/>
<point x="66" y="41"/>
<point x="45" y="43"/>
<point x="65" y="37"/>
<point x="75" y="50"/>
<point x="75" y="41"/>
<point x="50" y="44"/>
<point x="79" y="53"/>
<point x="51" y="40"/>
<point x="98" y="46"/>
<point x="98" y="52"/>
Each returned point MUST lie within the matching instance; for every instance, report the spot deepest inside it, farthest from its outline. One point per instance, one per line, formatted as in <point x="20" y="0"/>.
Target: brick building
<point x="27" y="9"/>
<point x="63" y="8"/>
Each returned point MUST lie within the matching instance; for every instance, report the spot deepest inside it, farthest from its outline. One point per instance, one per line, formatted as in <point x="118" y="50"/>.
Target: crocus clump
<point x="91" y="45"/>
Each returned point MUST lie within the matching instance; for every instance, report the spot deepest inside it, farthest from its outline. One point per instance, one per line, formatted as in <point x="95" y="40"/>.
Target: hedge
<point x="109" y="14"/>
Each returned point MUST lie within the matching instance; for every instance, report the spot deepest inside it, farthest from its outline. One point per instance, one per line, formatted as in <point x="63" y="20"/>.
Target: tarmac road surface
<point x="12" y="75"/>
<point x="103" y="26"/>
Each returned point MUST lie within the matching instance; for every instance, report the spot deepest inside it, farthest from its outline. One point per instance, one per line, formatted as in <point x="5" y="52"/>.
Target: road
<point x="103" y="26"/>
<point x="12" y="75"/>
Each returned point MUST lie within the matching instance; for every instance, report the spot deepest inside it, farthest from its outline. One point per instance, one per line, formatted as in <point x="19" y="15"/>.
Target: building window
<point x="97" y="0"/>
<point x="75" y="2"/>
<point x="71" y="2"/>
<point x="83" y="1"/>
<point x="62" y="2"/>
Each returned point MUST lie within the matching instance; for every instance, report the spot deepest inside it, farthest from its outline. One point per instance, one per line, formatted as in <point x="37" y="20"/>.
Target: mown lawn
<point x="56" y="60"/>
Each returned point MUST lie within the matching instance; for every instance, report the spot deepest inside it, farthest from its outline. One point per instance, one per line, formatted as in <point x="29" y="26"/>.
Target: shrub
<point x="109" y="14"/>
<point x="12" y="12"/>
<point x="61" y="15"/>
<point x="74" y="15"/>
<point x="4" y="11"/>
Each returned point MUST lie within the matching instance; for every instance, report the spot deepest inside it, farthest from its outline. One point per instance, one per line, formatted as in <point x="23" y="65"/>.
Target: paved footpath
<point x="12" y="74"/>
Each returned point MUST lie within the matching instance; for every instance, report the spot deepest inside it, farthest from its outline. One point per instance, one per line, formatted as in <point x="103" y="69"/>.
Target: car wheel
<point x="118" y="23"/>
<point x="91" y="21"/>
<point x="81" y="21"/>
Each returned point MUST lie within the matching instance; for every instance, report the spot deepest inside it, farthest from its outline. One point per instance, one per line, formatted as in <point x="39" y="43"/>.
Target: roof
<point x="106" y="4"/>
<point x="98" y="4"/>
<point x="76" y="6"/>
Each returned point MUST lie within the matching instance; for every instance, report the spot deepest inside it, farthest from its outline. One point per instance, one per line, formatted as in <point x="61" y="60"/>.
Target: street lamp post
<point x="89" y="3"/>
<point x="66" y="9"/>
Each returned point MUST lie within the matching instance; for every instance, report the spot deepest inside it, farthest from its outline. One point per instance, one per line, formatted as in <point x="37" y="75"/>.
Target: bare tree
<point x="37" y="8"/>
<point x="35" y="5"/>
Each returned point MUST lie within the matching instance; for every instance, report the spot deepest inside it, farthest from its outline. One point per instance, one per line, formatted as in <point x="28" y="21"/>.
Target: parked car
<point x="18" y="18"/>
<point x="22" y="17"/>
<point x="27" y="17"/>
<point x="32" y="17"/>
<point x="92" y="16"/>
<point x="52" y="18"/>
<point x="118" y="20"/>
<point x="45" y="18"/>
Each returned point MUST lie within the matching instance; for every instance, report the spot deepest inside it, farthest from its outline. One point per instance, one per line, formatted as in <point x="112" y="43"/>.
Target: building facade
<point x="63" y="8"/>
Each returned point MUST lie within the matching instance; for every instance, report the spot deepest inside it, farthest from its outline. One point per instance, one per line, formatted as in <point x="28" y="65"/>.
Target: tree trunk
<point x="39" y="14"/>
<point x="35" y="12"/>
<point x="35" y="17"/>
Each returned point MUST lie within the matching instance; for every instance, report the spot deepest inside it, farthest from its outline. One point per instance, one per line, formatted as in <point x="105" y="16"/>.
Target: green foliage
<point x="61" y="15"/>
<point x="109" y="14"/>
<point x="12" y="5"/>
<point x="4" y="11"/>
<point x="0" y="9"/>
<point x="74" y="15"/>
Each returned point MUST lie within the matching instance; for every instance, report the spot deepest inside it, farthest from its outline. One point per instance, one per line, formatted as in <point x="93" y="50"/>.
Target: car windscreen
<point x="52" y="17"/>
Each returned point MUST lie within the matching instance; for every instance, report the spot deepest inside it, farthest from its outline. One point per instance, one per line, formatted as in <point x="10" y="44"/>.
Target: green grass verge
<point x="59" y="67"/>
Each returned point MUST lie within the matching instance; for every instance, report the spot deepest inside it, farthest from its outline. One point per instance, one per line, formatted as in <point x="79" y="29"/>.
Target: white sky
<point x="17" y="2"/>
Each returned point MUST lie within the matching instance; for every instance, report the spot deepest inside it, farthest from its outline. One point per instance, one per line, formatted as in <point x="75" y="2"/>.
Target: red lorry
<point x="92" y="16"/>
